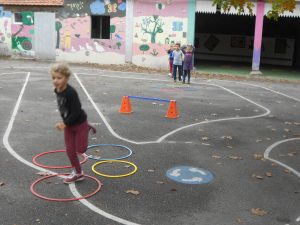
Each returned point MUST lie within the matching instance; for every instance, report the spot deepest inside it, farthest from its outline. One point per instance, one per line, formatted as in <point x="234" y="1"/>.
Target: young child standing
<point x="170" y="51"/>
<point x="178" y="58"/>
<point x="188" y="63"/>
<point x="74" y="119"/>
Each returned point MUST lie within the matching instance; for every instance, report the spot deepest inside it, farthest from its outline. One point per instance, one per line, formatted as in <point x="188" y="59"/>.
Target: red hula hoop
<point x="34" y="160"/>
<point x="63" y="199"/>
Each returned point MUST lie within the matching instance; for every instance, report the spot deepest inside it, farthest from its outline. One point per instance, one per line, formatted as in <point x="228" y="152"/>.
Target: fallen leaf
<point x="37" y="220"/>
<point x="268" y="139"/>
<point x="204" y="138"/>
<point x="258" y="156"/>
<point x="228" y="146"/>
<point x="237" y="109"/>
<point x="259" y="177"/>
<point x="207" y="144"/>
<point x="297" y="124"/>
<point x="292" y="153"/>
<point x="1" y="184"/>
<point x="217" y="157"/>
<point x="239" y="221"/>
<point x="258" y="212"/>
<point x="287" y="171"/>
<point x="213" y="114"/>
<point x="134" y="192"/>
<point x="235" y="157"/>
<point x="97" y="150"/>
<point x="43" y="173"/>
<point x="274" y="164"/>
<point x="273" y="129"/>
<point x="286" y="130"/>
<point x="258" y="140"/>
<point x="269" y="174"/>
<point x="288" y="123"/>
<point x="160" y="182"/>
<point x="173" y="189"/>
<point x="150" y="170"/>
<point x="127" y="166"/>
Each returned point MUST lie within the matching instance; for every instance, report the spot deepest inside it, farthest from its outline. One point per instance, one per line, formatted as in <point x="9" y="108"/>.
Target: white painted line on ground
<point x="270" y="148"/>
<point x="176" y="130"/>
<point x="298" y="219"/>
<point x="98" y="210"/>
<point x="18" y="157"/>
<point x="10" y="126"/>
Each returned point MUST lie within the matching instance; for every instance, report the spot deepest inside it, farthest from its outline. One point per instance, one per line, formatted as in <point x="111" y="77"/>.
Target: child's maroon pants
<point x="76" y="140"/>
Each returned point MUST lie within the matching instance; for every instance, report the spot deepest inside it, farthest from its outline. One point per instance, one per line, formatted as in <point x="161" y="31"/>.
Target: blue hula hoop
<point x="107" y="159"/>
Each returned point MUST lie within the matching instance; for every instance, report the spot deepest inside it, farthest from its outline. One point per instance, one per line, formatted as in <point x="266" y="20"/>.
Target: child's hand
<point x="60" y="126"/>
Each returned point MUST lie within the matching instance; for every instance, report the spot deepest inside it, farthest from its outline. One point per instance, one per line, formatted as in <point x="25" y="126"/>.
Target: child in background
<point x="188" y="63"/>
<point x="74" y="124"/>
<point x="178" y="58"/>
<point x="170" y="58"/>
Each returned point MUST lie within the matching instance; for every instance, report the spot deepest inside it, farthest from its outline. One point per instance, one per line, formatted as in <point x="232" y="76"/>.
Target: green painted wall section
<point x="191" y="21"/>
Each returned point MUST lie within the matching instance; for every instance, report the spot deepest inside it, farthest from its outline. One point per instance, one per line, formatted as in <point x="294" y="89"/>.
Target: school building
<point x="140" y="32"/>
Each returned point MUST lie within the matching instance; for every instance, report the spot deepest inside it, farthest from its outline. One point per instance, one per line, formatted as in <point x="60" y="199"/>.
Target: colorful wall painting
<point x="73" y="27"/>
<point x="22" y="35"/>
<point x="157" y="25"/>
<point x="5" y="32"/>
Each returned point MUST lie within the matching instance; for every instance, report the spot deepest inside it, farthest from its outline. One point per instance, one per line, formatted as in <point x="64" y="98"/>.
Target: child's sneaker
<point x="73" y="177"/>
<point x="170" y="74"/>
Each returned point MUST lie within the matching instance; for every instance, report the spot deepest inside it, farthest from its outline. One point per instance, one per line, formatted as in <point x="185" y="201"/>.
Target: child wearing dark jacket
<point x="74" y="119"/>
<point x="188" y="63"/>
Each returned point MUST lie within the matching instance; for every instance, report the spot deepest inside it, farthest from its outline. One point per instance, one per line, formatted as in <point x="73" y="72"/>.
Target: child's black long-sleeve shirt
<point x="70" y="107"/>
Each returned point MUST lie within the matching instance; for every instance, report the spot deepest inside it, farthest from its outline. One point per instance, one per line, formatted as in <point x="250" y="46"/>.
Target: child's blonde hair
<point x="61" y="68"/>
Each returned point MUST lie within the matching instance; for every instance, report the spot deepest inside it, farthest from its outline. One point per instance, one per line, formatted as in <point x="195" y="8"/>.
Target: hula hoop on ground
<point x="63" y="199"/>
<point x="34" y="160"/>
<point x="114" y="176"/>
<point x="109" y="159"/>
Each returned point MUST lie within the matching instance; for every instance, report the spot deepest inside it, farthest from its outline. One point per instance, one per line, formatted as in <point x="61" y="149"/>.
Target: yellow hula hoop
<point x="112" y="161"/>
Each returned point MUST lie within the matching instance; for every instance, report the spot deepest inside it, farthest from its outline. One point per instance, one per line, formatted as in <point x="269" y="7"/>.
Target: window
<point x="101" y="27"/>
<point x="18" y="18"/>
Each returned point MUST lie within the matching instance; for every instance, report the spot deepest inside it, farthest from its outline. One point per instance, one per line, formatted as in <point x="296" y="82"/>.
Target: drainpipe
<point x="259" y="21"/>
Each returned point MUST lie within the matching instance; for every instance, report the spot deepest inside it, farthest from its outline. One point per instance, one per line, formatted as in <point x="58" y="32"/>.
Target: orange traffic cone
<point x="172" y="112"/>
<point x="125" y="105"/>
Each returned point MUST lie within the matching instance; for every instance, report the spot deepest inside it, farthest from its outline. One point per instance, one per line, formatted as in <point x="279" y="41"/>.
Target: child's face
<point x="59" y="81"/>
<point x="177" y="47"/>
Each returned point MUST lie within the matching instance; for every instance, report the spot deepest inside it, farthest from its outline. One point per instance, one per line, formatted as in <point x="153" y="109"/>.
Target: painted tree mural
<point x="144" y="48"/>
<point x="152" y="26"/>
<point x="58" y="26"/>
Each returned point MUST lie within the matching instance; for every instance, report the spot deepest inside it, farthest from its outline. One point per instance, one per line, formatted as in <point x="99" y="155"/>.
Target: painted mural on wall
<point x="5" y="32"/>
<point x="157" y="25"/>
<point x="75" y="8"/>
<point x="22" y="35"/>
<point x="74" y="31"/>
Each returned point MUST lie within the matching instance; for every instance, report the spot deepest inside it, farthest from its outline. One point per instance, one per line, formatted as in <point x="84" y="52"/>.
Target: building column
<point x="129" y="31"/>
<point x="191" y="21"/>
<point x="259" y="21"/>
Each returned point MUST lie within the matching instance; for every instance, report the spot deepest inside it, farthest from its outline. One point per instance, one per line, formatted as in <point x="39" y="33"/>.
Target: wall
<point x="5" y="32"/>
<point x="157" y="24"/>
<point x="73" y="26"/>
<point x="22" y="35"/>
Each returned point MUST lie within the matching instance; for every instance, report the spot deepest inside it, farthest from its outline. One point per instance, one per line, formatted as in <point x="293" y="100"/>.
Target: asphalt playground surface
<point x="247" y="134"/>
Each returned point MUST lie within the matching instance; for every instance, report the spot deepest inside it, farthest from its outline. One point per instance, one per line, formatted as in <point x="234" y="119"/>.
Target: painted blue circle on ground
<point x="190" y="175"/>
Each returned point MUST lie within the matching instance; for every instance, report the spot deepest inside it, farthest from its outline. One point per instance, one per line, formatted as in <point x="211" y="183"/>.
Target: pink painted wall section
<point x="22" y="31"/>
<point x="76" y="36"/>
<point x="164" y="8"/>
<point x="157" y="25"/>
